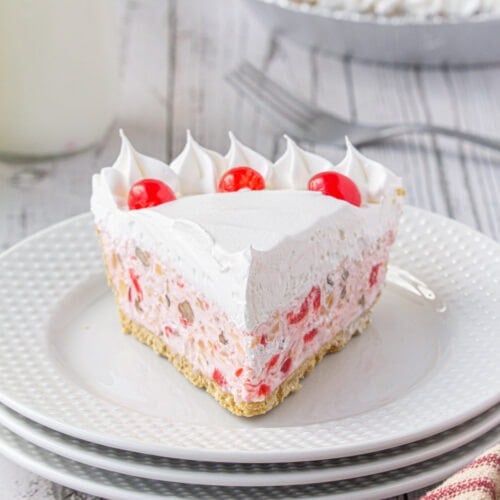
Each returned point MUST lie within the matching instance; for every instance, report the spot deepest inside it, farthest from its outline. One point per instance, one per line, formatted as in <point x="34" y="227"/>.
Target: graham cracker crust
<point x="244" y="408"/>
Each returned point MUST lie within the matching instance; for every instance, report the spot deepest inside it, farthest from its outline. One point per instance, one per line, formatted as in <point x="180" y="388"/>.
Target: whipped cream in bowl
<point x="413" y="8"/>
<point x="427" y="32"/>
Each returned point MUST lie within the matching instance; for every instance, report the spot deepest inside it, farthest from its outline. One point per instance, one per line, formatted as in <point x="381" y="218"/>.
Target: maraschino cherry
<point x="336" y="185"/>
<point x="149" y="193"/>
<point x="240" y="178"/>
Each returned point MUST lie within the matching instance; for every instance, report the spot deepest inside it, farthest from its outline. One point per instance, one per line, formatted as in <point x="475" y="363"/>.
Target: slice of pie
<point x="244" y="278"/>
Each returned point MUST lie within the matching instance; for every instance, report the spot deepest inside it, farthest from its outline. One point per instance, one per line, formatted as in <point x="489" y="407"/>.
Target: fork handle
<point x="385" y="132"/>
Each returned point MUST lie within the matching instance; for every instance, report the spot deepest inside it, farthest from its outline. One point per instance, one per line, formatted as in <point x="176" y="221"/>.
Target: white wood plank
<point x="212" y="38"/>
<point x="333" y="85"/>
<point x="142" y="111"/>
<point x="391" y="95"/>
<point x="476" y="107"/>
<point x="201" y="98"/>
<point x="259" y="46"/>
<point x="291" y="66"/>
<point x="334" y="94"/>
<point x="441" y="105"/>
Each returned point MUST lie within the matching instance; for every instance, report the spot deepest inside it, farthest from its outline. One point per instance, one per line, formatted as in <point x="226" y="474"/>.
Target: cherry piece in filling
<point x="337" y="185"/>
<point x="240" y="178"/>
<point x="149" y="193"/>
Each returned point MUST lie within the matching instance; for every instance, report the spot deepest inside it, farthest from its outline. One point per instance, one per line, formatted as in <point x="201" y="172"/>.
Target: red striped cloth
<point x="480" y="480"/>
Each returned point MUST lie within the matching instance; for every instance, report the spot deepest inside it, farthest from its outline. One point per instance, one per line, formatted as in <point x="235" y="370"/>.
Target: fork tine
<point x="279" y="93"/>
<point x="262" y="100"/>
<point x="262" y="93"/>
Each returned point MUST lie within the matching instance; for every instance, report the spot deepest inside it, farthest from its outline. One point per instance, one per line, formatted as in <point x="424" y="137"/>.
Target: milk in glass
<point x="58" y="75"/>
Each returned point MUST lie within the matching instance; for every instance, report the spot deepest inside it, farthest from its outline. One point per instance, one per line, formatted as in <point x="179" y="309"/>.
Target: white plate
<point x="117" y="486"/>
<point x="227" y="474"/>
<point x="391" y="39"/>
<point x="428" y="362"/>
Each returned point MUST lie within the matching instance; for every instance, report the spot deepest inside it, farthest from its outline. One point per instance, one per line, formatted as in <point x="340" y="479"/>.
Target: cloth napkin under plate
<point x="480" y="480"/>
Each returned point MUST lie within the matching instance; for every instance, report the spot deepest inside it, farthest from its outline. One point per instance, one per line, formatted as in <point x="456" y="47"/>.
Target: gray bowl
<point x="394" y="40"/>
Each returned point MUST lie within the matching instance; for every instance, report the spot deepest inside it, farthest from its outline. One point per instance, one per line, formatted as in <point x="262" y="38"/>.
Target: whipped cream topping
<point x="371" y="177"/>
<point x="197" y="168"/>
<point x="241" y="155"/>
<point x="240" y="221"/>
<point x="416" y="8"/>
<point x="249" y="251"/>
<point x="135" y="166"/>
<point x="294" y="169"/>
<point x="113" y="183"/>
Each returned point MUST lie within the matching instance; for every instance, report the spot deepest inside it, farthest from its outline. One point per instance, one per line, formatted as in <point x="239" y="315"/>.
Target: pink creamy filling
<point x="247" y="364"/>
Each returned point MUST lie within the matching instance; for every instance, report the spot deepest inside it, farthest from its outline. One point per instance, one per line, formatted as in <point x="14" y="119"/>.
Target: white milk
<point x="58" y="74"/>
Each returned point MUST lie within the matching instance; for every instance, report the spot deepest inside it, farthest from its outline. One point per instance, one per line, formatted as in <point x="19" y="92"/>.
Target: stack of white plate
<point x="404" y="406"/>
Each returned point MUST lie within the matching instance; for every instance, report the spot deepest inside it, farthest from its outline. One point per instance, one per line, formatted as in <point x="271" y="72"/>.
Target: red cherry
<point x="264" y="390"/>
<point x="273" y="361"/>
<point x="315" y="297"/>
<point x="336" y="185"/>
<point x="218" y="377"/>
<point x="374" y="274"/>
<point x="294" y="317"/>
<point x="239" y="178"/>
<point x="286" y="365"/>
<point x="149" y="193"/>
<point x="309" y="336"/>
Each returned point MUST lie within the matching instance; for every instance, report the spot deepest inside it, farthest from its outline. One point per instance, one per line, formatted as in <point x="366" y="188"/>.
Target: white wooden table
<point x="175" y="54"/>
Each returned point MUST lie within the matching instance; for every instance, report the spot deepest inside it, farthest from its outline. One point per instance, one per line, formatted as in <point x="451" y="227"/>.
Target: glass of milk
<point x="58" y="75"/>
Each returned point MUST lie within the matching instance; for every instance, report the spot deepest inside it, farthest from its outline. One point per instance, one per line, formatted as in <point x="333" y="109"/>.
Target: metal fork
<point x="306" y="122"/>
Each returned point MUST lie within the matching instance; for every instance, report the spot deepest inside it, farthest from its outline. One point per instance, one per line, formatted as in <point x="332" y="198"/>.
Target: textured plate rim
<point x="323" y="472"/>
<point x="251" y="455"/>
<point x="433" y="471"/>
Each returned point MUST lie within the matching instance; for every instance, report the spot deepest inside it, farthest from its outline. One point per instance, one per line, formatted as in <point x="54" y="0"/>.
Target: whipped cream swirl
<point x="113" y="183"/>
<point x="371" y="177"/>
<point x="197" y="168"/>
<point x="241" y="155"/>
<point x="294" y="169"/>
